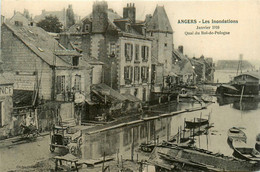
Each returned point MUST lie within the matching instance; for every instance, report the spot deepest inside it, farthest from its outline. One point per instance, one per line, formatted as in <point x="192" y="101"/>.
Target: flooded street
<point x="223" y="115"/>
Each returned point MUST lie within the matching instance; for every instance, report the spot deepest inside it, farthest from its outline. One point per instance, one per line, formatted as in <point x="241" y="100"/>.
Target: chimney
<point x="129" y="12"/>
<point x="100" y="17"/>
<point x="43" y="11"/>
<point x="180" y="49"/>
<point x="14" y="12"/>
<point x="148" y="17"/>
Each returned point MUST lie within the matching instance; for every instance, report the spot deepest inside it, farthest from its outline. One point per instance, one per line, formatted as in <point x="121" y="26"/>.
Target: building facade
<point x="37" y="62"/>
<point x="6" y="107"/>
<point x="121" y="43"/>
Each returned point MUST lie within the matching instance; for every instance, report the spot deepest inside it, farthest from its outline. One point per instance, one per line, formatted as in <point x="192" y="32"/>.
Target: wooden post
<point x="136" y="157"/>
<point x="103" y="164"/>
<point x="122" y="161"/>
<point x="178" y="136"/>
<point x="132" y="151"/>
<point x="117" y="156"/>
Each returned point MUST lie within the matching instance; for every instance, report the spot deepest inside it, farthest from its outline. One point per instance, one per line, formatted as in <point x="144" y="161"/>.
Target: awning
<point x="22" y="98"/>
<point x="131" y="98"/>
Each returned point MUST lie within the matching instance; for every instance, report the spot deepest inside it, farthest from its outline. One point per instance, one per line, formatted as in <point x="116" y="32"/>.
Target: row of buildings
<point x="103" y="63"/>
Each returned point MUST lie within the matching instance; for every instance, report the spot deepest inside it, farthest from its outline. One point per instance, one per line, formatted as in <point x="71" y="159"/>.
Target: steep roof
<point x="39" y="42"/>
<point x="183" y="65"/>
<point x="159" y="21"/>
<point x="19" y="17"/>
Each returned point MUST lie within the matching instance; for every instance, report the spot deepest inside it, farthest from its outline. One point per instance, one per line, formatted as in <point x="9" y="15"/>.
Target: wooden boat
<point x="236" y="134"/>
<point x="175" y="158"/>
<point x="147" y="147"/>
<point x="196" y="122"/>
<point x="243" y="151"/>
<point x="183" y="93"/>
<point x="257" y="144"/>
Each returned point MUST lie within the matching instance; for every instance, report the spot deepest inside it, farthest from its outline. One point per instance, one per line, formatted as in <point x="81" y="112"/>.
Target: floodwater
<point x="224" y="113"/>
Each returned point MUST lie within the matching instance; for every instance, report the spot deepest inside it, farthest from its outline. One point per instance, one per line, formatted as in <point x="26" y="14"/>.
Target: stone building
<point x="121" y="43"/>
<point x="36" y="60"/>
<point x="6" y="106"/>
<point x="160" y="31"/>
<point x="183" y="68"/>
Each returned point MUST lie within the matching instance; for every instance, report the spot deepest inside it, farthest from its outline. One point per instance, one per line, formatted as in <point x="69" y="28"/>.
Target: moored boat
<point x="175" y="158"/>
<point x="243" y="151"/>
<point x="235" y="133"/>
<point x="196" y="122"/>
<point x="257" y="144"/>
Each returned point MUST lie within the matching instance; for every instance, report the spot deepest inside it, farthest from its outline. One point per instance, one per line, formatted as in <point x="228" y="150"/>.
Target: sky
<point x="243" y="37"/>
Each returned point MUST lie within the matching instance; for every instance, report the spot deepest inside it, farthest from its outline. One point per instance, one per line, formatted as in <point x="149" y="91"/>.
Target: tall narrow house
<point x="160" y="31"/>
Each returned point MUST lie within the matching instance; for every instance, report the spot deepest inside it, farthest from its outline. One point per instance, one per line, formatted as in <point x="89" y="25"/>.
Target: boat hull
<point x="198" y="122"/>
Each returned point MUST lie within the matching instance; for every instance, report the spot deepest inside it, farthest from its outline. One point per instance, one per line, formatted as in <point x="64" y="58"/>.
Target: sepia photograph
<point x="129" y="86"/>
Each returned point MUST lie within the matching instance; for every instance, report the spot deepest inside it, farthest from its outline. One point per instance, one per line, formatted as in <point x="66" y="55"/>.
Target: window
<point x="128" y="51"/>
<point x="151" y="33"/>
<point x="87" y="27"/>
<point x="77" y="83"/>
<point x="136" y="92"/>
<point x="75" y="61"/>
<point x="127" y="28"/>
<point x="144" y="94"/>
<point x="136" y="52"/>
<point x="144" y="73"/>
<point x="128" y="73"/>
<point x="166" y="34"/>
<point x="137" y="73"/>
<point x="145" y="53"/>
<point x="60" y="84"/>
<point x="1" y="114"/>
<point x="112" y="49"/>
<point x="165" y="44"/>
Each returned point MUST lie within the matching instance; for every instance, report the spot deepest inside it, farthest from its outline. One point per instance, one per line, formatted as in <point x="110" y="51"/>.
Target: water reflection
<point x="121" y="140"/>
<point x="245" y="104"/>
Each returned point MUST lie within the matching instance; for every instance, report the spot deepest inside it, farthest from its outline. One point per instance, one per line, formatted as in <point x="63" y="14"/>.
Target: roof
<point x="22" y="98"/>
<point x="115" y="23"/>
<point x="131" y="97"/>
<point x="111" y="94"/>
<point x="183" y="65"/>
<point x="254" y="74"/>
<point x="159" y="21"/>
<point x="229" y="86"/>
<point x="19" y="17"/>
<point x="39" y="42"/>
<point x="91" y="60"/>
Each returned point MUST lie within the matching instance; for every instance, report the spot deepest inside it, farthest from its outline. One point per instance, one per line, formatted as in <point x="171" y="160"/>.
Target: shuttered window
<point x="137" y="52"/>
<point x="60" y="84"/>
<point x="128" y="74"/>
<point x="145" y="53"/>
<point x="136" y="73"/>
<point x="128" y="51"/>
<point x="144" y="73"/>
<point x="77" y="83"/>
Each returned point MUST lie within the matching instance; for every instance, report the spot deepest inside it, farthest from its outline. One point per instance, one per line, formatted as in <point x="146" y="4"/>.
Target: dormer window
<point x="87" y="28"/>
<point x="127" y="28"/>
<point x="144" y="30"/>
<point x="75" y="61"/>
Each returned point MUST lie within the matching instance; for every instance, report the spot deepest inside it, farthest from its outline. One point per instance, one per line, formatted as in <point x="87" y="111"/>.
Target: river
<point x="224" y="113"/>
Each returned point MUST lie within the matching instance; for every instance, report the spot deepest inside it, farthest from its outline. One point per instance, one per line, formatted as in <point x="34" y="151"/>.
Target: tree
<point x="50" y="24"/>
